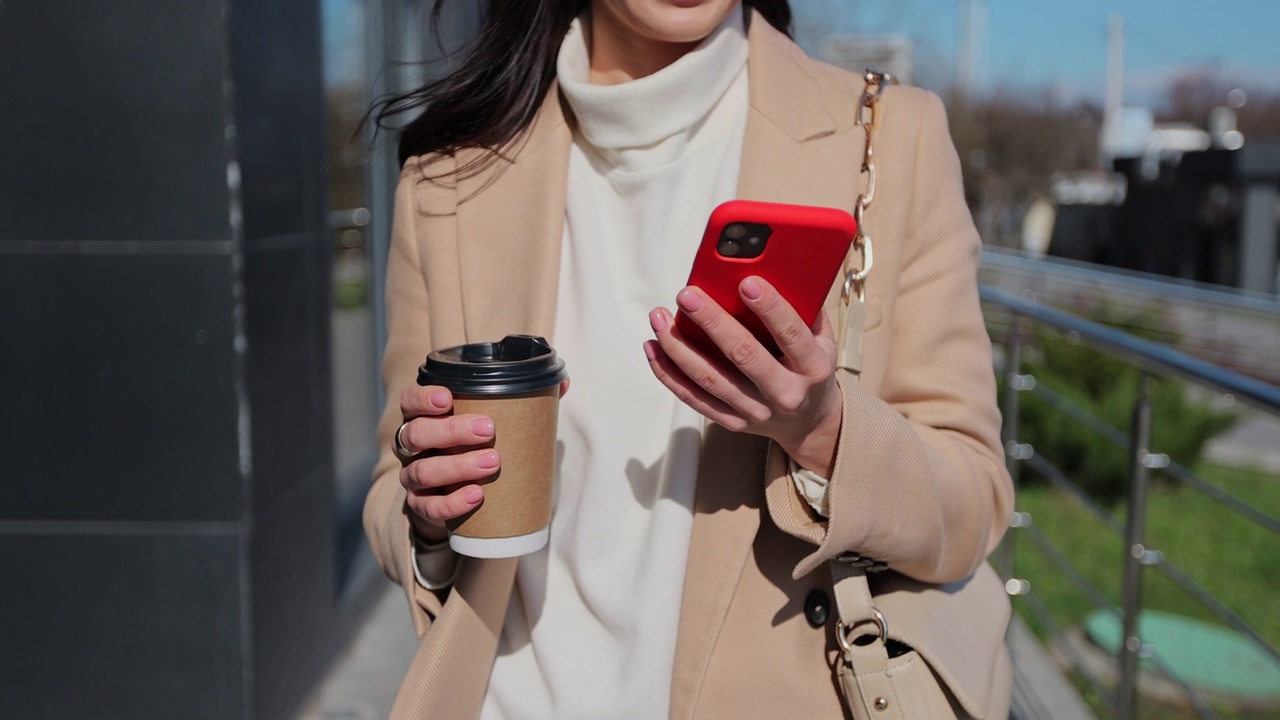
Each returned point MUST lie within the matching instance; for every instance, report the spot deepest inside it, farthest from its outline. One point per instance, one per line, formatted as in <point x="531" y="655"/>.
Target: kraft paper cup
<point x="516" y="382"/>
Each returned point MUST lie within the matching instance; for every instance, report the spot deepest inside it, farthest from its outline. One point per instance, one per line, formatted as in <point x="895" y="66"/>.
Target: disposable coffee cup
<point x="516" y="382"/>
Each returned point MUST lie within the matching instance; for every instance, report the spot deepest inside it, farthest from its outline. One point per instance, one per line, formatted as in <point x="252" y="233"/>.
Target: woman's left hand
<point x="792" y="399"/>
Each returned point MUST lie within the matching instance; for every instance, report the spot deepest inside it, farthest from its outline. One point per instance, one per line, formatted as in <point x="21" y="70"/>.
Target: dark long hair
<point x="494" y="92"/>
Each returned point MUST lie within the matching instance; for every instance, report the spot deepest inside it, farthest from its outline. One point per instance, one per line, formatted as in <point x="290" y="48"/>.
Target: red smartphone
<point x="797" y="248"/>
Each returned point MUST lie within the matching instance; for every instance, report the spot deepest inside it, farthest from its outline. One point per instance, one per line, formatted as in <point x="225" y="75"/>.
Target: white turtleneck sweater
<point x="591" y="629"/>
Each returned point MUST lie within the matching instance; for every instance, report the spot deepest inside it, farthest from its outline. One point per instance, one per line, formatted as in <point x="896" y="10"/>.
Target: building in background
<point x="1180" y="201"/>
<point x="191" y="278"/>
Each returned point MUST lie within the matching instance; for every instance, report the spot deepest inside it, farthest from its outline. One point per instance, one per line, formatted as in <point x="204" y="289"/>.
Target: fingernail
<point x="487" y="461"/>
<point x="658" y="320"/>
<point x="474" y="496"/>
<point x="689" y="300"/>
<point x="751" y="289"/>
<point x="649" y="352"/>
<point x="440" y="399"/>
<point x="482" y="427"/>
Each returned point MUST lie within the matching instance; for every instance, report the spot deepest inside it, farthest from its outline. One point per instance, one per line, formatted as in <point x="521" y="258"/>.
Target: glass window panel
<point x="353" y="342"/>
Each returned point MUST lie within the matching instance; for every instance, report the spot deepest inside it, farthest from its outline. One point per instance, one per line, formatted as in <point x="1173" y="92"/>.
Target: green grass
<point x="1237" y="561"/>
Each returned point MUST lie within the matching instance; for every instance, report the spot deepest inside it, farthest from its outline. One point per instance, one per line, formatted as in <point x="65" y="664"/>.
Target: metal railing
<point x="1227" y="327"/>
<point x="1149" y="359"/>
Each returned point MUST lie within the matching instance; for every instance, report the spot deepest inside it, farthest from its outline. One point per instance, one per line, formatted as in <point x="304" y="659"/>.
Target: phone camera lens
<point x="736" y="231"/>
<point x="730" y="248"/>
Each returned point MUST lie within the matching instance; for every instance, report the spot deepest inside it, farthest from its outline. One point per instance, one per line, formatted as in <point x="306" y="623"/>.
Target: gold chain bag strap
<point x="879" y="679"/>
<point x="855" y="286"/>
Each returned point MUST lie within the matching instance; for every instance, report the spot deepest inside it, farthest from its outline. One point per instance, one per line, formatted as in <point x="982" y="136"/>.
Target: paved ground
<point x="1040" y="691"/>
<point x="1254" y="441"/>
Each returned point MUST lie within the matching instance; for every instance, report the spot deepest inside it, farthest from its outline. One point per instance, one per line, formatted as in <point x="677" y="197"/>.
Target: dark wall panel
<point x="119" y="398"/>
<point x="296" y="621"/>
<point x="113" y="120"/>
<point x="124" y="626"/>
<point x="146" y="574"/>
<point x="288" y="331"/>
<point x="276" y="63"/>
<point x="297" y="617"/>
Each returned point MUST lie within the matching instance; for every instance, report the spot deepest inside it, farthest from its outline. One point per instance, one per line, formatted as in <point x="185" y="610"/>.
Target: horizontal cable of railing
<point x="1193" y="698"/>
<point x="1141" y="352"/>
<point x="1059" y="558"/>
<point x="1214" y="605"/>
<point x="1060" y="480"/>
<point x="1173" y="469"/>
<point x="1260" y="518"/>
<point x="1046" y="620"/>
<point x="1084" y="417"/>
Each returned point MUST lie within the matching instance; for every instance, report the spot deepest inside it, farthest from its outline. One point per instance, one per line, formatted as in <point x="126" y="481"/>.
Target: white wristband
<point x="811" y="486"/>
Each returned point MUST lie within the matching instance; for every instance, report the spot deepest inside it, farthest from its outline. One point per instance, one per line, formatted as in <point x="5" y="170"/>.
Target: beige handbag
<point x="881" y="677"/>
<point x="874" y="683"/>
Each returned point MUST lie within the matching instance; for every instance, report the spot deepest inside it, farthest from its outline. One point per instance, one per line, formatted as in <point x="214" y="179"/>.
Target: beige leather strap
<point x="865" y="676"/>
<point x="853" y="594"/>
<point x="849" y="359"/>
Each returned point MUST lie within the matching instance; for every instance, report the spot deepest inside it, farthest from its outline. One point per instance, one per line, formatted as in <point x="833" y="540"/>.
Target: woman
<point x="557" y="184"/>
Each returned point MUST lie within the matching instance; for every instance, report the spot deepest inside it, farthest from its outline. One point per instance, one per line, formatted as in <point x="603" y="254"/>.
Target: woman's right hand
<point x="451" y="453"/>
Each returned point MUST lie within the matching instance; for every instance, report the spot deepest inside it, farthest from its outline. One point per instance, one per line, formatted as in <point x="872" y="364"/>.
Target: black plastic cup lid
<point x="517" y="364"/>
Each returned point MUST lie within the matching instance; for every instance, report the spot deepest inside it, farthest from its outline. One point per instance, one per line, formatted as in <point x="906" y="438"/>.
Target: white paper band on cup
<point x="500" y="547"/>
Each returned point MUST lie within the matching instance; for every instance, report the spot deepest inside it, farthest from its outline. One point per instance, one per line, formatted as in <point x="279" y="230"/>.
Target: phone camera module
<point x="743" y="240"/>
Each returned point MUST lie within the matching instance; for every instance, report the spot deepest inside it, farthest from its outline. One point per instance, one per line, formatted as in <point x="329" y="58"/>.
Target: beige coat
<point x="918" y="482"/>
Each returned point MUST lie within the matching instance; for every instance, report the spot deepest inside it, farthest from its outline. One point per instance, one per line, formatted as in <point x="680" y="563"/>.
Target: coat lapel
<point x="509" y="235"/>
<point x="786" y="112"/>
<point x="791" y="153"/>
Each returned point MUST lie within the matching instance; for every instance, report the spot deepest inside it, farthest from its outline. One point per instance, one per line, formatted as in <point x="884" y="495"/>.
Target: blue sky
<point x="1031" y="45"/>
<point x="1059" y="45"/>
<point x="342" y="25"/>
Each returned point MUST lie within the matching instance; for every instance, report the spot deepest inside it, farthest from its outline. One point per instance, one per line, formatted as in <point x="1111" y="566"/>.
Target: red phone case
<point x="801" y="259"/>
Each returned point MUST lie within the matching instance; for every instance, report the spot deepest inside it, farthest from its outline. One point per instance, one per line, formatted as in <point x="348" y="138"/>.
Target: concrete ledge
<point x="1040" y="690"/>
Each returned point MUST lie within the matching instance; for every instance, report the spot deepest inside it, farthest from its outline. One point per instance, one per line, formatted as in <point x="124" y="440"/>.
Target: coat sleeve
<point x="408" y="342"/>
<point x="919" y="480"/>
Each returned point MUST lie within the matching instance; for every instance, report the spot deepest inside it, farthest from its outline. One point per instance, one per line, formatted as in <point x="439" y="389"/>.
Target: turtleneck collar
<point x="646" y="111"/>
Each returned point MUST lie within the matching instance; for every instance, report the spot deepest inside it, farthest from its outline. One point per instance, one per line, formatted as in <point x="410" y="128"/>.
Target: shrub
<point x="1107" y="387"/>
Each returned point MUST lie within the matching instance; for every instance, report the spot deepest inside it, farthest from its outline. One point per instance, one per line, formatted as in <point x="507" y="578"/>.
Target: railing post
<point x="1135" y="550"/>
<point x="1009" y="431"/>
